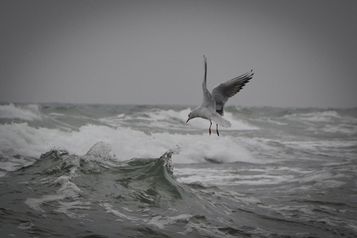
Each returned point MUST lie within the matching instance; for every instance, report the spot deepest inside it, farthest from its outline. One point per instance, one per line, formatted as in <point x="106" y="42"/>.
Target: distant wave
<point x="319" y="116"/>
<point x="174" y="119"/>
<point x="328" y="122"/>
<point x="345" y="129"/>
<point x="28" y="112"/>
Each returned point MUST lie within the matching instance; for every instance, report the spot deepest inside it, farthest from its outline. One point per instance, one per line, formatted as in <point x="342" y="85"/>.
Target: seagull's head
<point x="191" y="115"/>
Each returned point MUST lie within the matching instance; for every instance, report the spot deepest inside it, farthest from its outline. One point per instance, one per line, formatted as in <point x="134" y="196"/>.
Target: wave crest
<point x="149" y="181"/>
<point x="127" y="143"/>
<point x="27" y="112"/>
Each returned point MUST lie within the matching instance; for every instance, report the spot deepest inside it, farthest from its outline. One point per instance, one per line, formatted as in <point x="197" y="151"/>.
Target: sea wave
<point x="141" y="168"/>
<point x="28" y="112"/>
<point x="149" y="181"/>
<point x="23" y="139"/>
<point x="341" y="128"/>
<point x="160" y="118"/>
<point x="317" y="116"/>
<point x="141" y="192"/>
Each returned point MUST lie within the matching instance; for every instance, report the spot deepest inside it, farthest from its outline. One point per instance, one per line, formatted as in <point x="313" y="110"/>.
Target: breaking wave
<point x="25" y="140"/>
<point x="28" y="112"/>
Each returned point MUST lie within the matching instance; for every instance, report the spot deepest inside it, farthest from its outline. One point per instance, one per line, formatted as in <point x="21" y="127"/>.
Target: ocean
<point x="70" y="170"/>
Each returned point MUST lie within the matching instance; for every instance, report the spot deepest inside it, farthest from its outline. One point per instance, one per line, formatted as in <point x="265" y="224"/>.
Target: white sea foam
<point x="162" y="221"/>
<point x="340" y="128"/>
<point x="320" y="145"/>
<point x="126" y="143"/>
<point x="121" y="216"/>
<point x="158" y="221"/>
<point x="28" y="112"/>
<point x="210" y="176"/>
<point x="324" y="116"/>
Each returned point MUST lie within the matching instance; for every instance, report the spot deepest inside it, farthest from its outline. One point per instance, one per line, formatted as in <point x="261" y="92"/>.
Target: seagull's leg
<point x="217" y="129"/>
<point x="209" y="129"/>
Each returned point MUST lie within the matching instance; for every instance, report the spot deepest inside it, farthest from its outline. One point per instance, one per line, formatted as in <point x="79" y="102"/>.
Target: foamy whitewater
<point x="139" y="171"/>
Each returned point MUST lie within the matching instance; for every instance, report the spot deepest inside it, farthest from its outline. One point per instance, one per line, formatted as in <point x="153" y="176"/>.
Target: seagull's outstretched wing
<point x="208" y="100"/>
<point x="225" y="90"/>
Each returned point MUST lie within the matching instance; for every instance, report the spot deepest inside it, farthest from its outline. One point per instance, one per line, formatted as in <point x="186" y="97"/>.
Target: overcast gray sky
<point x="150" y="52"/>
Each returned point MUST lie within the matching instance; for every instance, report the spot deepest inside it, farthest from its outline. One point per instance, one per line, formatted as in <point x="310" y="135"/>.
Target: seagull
<point x="212" y="106"/>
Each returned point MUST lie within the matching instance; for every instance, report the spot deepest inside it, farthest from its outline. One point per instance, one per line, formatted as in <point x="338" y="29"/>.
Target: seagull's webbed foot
<point x="217" y="130"/>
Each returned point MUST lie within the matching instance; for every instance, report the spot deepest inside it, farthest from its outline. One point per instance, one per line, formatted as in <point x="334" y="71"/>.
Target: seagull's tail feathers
<point x="220" y="120"/>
